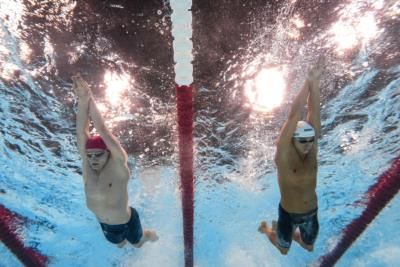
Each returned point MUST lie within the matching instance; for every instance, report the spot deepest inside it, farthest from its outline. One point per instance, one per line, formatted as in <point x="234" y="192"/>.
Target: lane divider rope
<point x="378" y="196"/>
<point x="10" y="223"/>
<point x="185" y="142"/>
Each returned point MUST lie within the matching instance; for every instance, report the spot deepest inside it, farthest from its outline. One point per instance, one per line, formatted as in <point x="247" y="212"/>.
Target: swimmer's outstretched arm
<point x="87" y="109"/>
<point x="111" y="141"/>
<point x="82" y="90"/>
<point x="314" y="99"/>
<point x="290" y="125"/>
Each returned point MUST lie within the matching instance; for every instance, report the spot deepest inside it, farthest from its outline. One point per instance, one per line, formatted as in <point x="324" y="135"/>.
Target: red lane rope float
<point x="185" y="138"/>
<point x="378" y="195"/>
<point x="9" y="224"/>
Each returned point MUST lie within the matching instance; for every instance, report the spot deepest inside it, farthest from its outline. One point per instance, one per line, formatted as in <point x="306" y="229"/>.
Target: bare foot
<point x="274" y="225"/>
<point x="297" y="238"/>
<point x="148" y="235"/>
<point x="263" y="227"/>
<point x="271" y="234"/>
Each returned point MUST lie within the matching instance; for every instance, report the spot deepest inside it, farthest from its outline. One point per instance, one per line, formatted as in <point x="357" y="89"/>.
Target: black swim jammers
<point x="132" y="230"/>
<point x="287" y="223"/>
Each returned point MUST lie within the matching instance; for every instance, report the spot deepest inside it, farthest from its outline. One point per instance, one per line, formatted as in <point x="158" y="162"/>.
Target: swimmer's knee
<point x="284" y="251"/>
<point x="122" y="244"/>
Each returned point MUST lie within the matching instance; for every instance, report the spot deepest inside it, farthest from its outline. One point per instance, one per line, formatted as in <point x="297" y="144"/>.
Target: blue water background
<point x="47" y="190"/>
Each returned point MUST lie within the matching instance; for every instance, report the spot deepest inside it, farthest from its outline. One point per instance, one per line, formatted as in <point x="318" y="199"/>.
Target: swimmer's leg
<point x="148" y="235"/>
<point x="297" y="238"/>
<point x="308" y="234"/>
<point x="271" y="233"/>
<point x="122" y="244"/>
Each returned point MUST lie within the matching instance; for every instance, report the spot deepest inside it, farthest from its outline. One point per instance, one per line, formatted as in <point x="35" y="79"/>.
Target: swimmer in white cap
<point x="303" y="138"/>
<point x="296" y="160"/>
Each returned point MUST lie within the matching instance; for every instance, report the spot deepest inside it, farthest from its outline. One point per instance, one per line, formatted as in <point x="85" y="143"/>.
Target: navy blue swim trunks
<point x="132" y="230"/>
<point x="288" y="222"/>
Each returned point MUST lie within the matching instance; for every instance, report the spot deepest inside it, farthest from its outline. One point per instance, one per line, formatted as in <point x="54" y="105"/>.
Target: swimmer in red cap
<point x="106" y="175"/>
<point x="296" y="161"/>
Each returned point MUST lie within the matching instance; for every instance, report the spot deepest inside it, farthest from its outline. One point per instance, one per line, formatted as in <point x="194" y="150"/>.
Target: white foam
<point x="237" y="256"/>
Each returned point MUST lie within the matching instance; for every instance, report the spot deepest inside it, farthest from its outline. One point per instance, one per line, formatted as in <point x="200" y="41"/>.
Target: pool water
<point x="127" y="52"/>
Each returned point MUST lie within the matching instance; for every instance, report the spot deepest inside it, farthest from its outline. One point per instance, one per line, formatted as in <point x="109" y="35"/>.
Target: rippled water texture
<point x="249" y="61"/>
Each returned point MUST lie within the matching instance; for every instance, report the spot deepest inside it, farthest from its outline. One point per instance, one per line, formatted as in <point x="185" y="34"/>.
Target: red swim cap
<point x="95" y="142"/>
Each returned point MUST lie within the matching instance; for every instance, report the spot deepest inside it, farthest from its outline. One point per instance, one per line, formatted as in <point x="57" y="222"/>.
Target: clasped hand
<point x="315" y="72"/>
<point x="80" y="86"/>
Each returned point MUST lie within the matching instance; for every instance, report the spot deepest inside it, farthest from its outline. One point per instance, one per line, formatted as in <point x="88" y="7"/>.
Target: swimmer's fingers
<point x="315" y="72"/>
<point x="75" y="77"/>
<point x="321" y="61"/>
<point x="80" y="86"/>
<point x="74" y="84"/>
<point x="83" y="84"/>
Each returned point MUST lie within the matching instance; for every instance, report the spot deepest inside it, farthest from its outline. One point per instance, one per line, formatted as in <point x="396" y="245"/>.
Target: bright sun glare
<point x="266" y="91"/>
<point x="116" y="86"/>
<point x="351" y="32"/>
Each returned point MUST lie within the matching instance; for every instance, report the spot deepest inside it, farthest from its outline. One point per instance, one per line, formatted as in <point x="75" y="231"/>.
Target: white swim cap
<point x="304" y="130"/>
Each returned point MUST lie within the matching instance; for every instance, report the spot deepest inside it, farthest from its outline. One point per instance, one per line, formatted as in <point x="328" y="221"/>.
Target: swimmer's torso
<point x="297" y="180"/>
<point x="107" y="192"/>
